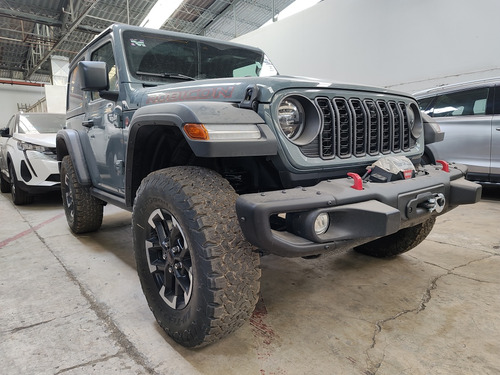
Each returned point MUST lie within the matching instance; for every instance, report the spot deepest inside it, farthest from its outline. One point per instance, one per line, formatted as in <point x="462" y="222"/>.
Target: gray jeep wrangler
<point x="221" y="160"/>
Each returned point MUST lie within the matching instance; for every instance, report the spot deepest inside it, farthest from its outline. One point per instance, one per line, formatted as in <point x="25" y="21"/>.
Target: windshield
<point x="40" y="123"/>
<point x="156" y="57"/>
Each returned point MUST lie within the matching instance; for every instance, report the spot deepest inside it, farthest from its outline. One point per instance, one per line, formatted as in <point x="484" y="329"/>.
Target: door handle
<point x="497" y="129"/>
<point x="88" y="123"/>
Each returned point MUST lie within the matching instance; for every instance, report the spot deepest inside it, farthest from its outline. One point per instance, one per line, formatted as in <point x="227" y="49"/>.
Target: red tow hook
<point x="446" y="166"/>
<point x="358" y="182"/>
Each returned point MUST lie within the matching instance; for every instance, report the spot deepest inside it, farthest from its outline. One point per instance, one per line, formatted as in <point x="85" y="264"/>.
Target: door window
<point x="463" y="103"/>
<point x="105" y="54"/>
<point x="75" y="93"/>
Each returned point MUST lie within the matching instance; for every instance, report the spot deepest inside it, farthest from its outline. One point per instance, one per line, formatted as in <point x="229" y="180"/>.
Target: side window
<point x="463" y="103"/>
<point x="12" y="123"/>
<point x="105" y="53"/>
<point x="425" y="102"/>
<point x="75" y="94"/>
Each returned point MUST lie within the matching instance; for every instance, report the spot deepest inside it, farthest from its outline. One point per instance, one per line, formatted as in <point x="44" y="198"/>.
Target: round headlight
<point x="291" y="117"/>
<point x="414" y="120"/>
<point x="321" y="223"/>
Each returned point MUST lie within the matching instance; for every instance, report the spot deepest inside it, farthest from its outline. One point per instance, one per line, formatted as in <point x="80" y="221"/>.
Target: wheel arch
<point x="157" y="140"/>
<point x="68" y="143"/>
<point x="153" y="146"/>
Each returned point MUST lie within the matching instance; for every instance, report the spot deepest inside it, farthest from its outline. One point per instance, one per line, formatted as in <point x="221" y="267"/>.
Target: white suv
<point x="28" y="162"/>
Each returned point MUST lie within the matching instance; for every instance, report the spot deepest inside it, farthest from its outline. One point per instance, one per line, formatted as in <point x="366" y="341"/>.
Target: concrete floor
<point x="73" y="304"/>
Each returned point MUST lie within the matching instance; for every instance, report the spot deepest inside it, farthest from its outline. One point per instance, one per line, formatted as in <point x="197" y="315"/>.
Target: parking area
<point x="73" y="304"/>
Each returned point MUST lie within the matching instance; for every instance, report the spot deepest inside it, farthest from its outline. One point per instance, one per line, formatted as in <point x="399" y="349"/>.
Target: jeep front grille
<point x="354" y="128"/>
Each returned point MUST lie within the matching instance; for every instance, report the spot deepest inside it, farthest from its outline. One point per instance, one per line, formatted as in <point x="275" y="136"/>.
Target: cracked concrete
<point x="73" y="305"/>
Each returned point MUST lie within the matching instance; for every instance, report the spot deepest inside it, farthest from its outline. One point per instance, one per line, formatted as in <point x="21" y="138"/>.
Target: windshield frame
<point x="186" y="59"/>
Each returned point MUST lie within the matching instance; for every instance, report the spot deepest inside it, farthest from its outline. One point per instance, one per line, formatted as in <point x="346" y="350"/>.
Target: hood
<point x="45" y="140"/>
<point x="234" y="89"/>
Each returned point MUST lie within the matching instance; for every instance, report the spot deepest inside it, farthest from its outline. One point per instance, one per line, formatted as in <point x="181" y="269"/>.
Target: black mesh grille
<point x="405" y="141"/>
<point x="373" y="126"/>
<point x="328" y="134"/>
<point x="355" y="127"/>
<point x="344" y="127"/>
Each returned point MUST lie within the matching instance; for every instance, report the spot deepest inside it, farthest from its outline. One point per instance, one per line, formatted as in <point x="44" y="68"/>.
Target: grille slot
<point x="327" y="135"/>
<point x="353" y="127"/>
<point x="344" y="127"/>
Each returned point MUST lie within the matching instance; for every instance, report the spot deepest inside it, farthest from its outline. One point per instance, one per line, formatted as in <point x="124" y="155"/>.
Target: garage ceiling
<point x="31" y="31"/>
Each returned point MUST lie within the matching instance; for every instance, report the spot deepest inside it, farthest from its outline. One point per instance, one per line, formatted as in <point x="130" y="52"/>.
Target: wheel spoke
<point x="169" y="259"/>
<point x="169" y="281"/>
<point x="160" y="230"/>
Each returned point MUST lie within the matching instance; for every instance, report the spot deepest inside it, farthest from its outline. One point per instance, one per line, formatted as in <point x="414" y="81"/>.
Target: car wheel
<point x="19" y="196"/>
<point x="399" y="242"/>
<point x="201" y="278"/>
<point x="83" y="211"/>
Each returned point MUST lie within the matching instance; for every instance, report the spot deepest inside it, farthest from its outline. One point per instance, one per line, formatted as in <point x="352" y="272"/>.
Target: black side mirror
<point x="4" y="132"/>
<point x="93" y="75"/>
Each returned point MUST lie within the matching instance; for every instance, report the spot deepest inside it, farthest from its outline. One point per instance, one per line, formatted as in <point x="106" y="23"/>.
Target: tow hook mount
<point x="425" y="203"/>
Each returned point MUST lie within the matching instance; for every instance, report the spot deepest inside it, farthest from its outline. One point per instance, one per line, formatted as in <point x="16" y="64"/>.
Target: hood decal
<point x="225" y="92"/>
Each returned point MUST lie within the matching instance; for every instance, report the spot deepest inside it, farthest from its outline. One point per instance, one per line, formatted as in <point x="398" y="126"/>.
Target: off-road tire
<point x="214" y="289"/>
<point x="83" y="211"/>
<point x="19" y="196"/>
<point x="4" y="185"/>
<point x="399" y="242"/>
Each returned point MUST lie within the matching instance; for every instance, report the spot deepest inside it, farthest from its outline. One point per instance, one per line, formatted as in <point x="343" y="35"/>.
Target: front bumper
<point x="356" y="216"/>
<point x="38" y="173"/>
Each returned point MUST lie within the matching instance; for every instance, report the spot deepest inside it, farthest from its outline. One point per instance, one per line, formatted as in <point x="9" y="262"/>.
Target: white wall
<point x="56" y="98"/>
<point x="408" y="45"/>
<point x="11" y="95"/>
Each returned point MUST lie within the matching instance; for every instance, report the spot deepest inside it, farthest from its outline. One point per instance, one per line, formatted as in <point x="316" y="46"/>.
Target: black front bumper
<point x="356" y="216"/>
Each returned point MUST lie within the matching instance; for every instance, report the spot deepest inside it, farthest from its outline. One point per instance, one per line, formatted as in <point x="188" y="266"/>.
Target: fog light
<point x="321" y="223"/>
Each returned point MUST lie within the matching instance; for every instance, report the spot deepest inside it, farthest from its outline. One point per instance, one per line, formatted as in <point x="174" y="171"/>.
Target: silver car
<point x="469" y="114"/>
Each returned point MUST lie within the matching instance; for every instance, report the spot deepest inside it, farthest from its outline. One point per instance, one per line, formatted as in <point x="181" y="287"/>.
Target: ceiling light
<point x="160" y="13"/>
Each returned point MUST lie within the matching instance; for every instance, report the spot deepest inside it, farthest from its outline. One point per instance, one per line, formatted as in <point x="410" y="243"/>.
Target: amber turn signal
<point x="196" y="131"/>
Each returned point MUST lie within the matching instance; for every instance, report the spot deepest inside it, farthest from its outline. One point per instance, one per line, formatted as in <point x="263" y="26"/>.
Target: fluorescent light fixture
<point x="294" y="8"/>
<point x="160" y="12"/>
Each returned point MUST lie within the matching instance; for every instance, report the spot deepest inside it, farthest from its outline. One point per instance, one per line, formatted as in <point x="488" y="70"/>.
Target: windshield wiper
<point x="166" y="75"/>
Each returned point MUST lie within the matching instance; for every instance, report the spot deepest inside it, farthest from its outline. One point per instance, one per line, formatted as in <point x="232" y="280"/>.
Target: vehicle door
<point x="103" y="120"/>
<point x="495" y="139"/>
<point x="466" y="118"/>
<point x="6" y="134"/>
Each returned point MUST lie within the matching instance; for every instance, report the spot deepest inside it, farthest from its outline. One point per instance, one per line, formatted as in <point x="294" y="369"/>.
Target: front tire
<point x="198" y="273"/>
<point x="19" y="196"/>
<point x="399" y="242"/>
<point x="83" y="211"/>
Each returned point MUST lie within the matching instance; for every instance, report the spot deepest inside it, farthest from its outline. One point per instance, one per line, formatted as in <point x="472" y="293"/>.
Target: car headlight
<point x="299" y="119"/>
<point x="291" y="117"/>
<point x="414" y="120"/>
<point x="25" y="146"/>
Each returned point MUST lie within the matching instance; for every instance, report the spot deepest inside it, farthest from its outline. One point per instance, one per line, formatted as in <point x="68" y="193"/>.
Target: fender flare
<point x="205" y="112"/>
<point x="199" y="112"/>
<point x="68" y="142"/>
